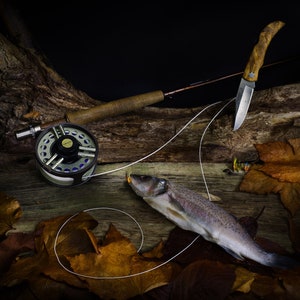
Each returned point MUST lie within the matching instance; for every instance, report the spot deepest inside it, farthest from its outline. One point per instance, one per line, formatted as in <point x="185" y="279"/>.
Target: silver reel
<point x="66" y="154"/>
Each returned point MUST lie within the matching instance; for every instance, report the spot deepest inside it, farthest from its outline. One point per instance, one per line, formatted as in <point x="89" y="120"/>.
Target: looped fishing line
<point x="111" y="277"/>
<point x="140" y="228"/>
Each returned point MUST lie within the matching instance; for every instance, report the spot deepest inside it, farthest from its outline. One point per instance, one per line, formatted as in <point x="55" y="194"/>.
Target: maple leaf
<point x="10" y="212"/>
<point x="243" y="281"/>
<point x="12" y="246"/>
<point x="203" y="279"/>
<point x="118" y="257"/>
<point x="279" y="173"/>
<point x="79" y="251"/>
<point x="73" y="239"/>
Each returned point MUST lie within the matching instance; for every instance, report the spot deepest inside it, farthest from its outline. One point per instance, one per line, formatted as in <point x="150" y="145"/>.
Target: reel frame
<point x="66" y="154"/>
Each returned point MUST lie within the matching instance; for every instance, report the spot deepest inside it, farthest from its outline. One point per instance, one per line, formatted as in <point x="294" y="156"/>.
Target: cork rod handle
<point x="114" y="108"/>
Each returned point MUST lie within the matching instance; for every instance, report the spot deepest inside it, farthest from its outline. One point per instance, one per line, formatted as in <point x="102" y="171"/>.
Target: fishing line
<point x="155" y="151"/>
<point x="112" y="277"/>
<point x="121" y="211"/>
<point x="200" y="145"/>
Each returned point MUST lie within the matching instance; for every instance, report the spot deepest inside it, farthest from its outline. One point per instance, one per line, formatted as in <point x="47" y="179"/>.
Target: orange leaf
<point x="117" y="258"/>
<point x="280" y="173"/>
<point x="10" y="212"/>
<point x="156" y="252"/>
<point x="285" y="172"/>
<point x="73" y="240"/>
<point x="279" y="151"/>
<point x="243" y="280"/>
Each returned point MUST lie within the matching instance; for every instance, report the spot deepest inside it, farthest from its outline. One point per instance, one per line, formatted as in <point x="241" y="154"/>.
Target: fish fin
<point x="282" y="262"/>
<point x="175" y="203"/>
<point x="234" y="254"/>
<point x="175" y="213"/>
<point x="212" y="197"/>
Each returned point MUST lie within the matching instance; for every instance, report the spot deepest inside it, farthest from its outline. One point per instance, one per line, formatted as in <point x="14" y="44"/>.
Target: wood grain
<point x="41" y="200"/>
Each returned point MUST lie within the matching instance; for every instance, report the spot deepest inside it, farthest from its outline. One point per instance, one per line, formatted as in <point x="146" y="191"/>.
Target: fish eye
<point x="161" y="185"/>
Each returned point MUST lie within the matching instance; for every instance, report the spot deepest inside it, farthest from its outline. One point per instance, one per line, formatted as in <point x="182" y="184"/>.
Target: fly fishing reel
<point x="66" y="154"/>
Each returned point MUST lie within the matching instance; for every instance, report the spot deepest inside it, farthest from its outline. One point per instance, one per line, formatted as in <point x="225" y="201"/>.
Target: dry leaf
<point x="117" y="258"/>
<point x="291" y="283"/>
<point x="32" y="115"/>
<point x="12" y="246"/>
<point x="79" y="252"/>
<point x="280" y="173"/>
<point x="156" y="252"/>
<point x="243" y="281"/>
<point x="203" y="280"/>
<point x="10" y="212"/>
<point x="73" y="240"/>
<point x="268" y="287"/>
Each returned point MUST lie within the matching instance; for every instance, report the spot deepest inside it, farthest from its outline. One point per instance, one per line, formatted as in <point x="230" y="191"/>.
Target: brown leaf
<point x="279" y="151"/>
<point x="156" y="252"/>
<point x="41" y="287"/>
<point x="268" y="287"/>
<point x="73" y="240"/>
<point x="291" y="282"/>
<point x="243" y="280"/>
<point x="118" y="257"/>
<point x="12" y="246"/>
<point x="203" y="280"/>
<point x="69" y="239"/>
<point x="280" y="173"/>
<point x="76" y="248"/>
<point x="32" y="115"/>
<point x="10" y="212"/>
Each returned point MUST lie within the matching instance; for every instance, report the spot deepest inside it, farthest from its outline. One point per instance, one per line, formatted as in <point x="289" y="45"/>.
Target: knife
<point x="250" y="75"/>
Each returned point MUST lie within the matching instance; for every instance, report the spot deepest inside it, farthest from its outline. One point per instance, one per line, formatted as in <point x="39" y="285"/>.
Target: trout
<point x="191" y="211"/>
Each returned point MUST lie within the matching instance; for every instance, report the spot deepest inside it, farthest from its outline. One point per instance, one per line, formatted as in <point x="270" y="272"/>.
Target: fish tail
<point x="281" y="262"/>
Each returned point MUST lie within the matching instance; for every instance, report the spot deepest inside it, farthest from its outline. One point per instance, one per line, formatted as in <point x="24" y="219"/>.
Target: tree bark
<point x="33" y="93"/>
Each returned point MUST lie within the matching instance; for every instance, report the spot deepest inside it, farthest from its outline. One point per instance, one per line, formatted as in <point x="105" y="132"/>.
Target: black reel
<point x="66" y="154"/>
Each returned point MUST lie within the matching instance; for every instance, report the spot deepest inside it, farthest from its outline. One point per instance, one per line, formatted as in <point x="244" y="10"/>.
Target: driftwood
<point x="33" y="93"/>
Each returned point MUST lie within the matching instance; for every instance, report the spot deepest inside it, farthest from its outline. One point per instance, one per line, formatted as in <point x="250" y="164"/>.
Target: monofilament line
<point x="200" y="145"/>
<point x="111" y="277"/>
<point x="158" y="149"/>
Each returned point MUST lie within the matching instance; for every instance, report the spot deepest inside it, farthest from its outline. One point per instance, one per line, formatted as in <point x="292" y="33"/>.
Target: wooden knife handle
<point x="257" y="56"/>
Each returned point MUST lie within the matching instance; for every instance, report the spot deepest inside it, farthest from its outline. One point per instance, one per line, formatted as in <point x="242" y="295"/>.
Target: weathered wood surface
<point x="41" y="200"/>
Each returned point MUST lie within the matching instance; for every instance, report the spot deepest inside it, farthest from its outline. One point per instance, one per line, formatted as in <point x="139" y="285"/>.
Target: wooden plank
<point x="41" y="200"/>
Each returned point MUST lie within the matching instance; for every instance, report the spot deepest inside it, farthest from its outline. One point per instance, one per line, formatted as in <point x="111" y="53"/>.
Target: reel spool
<point x="66" y="154"/>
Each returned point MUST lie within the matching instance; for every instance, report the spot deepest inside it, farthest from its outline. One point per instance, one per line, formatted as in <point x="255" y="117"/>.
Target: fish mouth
<point x="135" y="184"/>
<point x="128" y="178"/>
<point x="146" y="185"/>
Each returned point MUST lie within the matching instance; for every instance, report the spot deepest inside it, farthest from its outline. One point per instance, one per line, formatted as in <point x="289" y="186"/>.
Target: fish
<point x="191" y="211"/>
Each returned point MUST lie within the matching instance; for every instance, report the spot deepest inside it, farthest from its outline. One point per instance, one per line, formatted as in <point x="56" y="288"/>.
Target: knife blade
<point x="250" y="75"/>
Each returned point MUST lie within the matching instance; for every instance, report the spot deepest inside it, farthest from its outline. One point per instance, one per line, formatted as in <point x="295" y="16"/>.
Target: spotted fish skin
<point x="191" y="211"/>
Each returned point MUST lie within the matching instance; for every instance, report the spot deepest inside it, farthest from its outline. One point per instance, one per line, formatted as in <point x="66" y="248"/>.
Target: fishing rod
<point x="120" y="106"/>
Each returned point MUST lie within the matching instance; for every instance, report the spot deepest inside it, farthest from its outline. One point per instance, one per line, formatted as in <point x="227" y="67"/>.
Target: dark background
<point x="112" y="50"/>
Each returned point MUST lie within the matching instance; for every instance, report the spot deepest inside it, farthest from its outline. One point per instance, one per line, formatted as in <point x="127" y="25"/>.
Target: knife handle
<point x="257" y="56"/>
